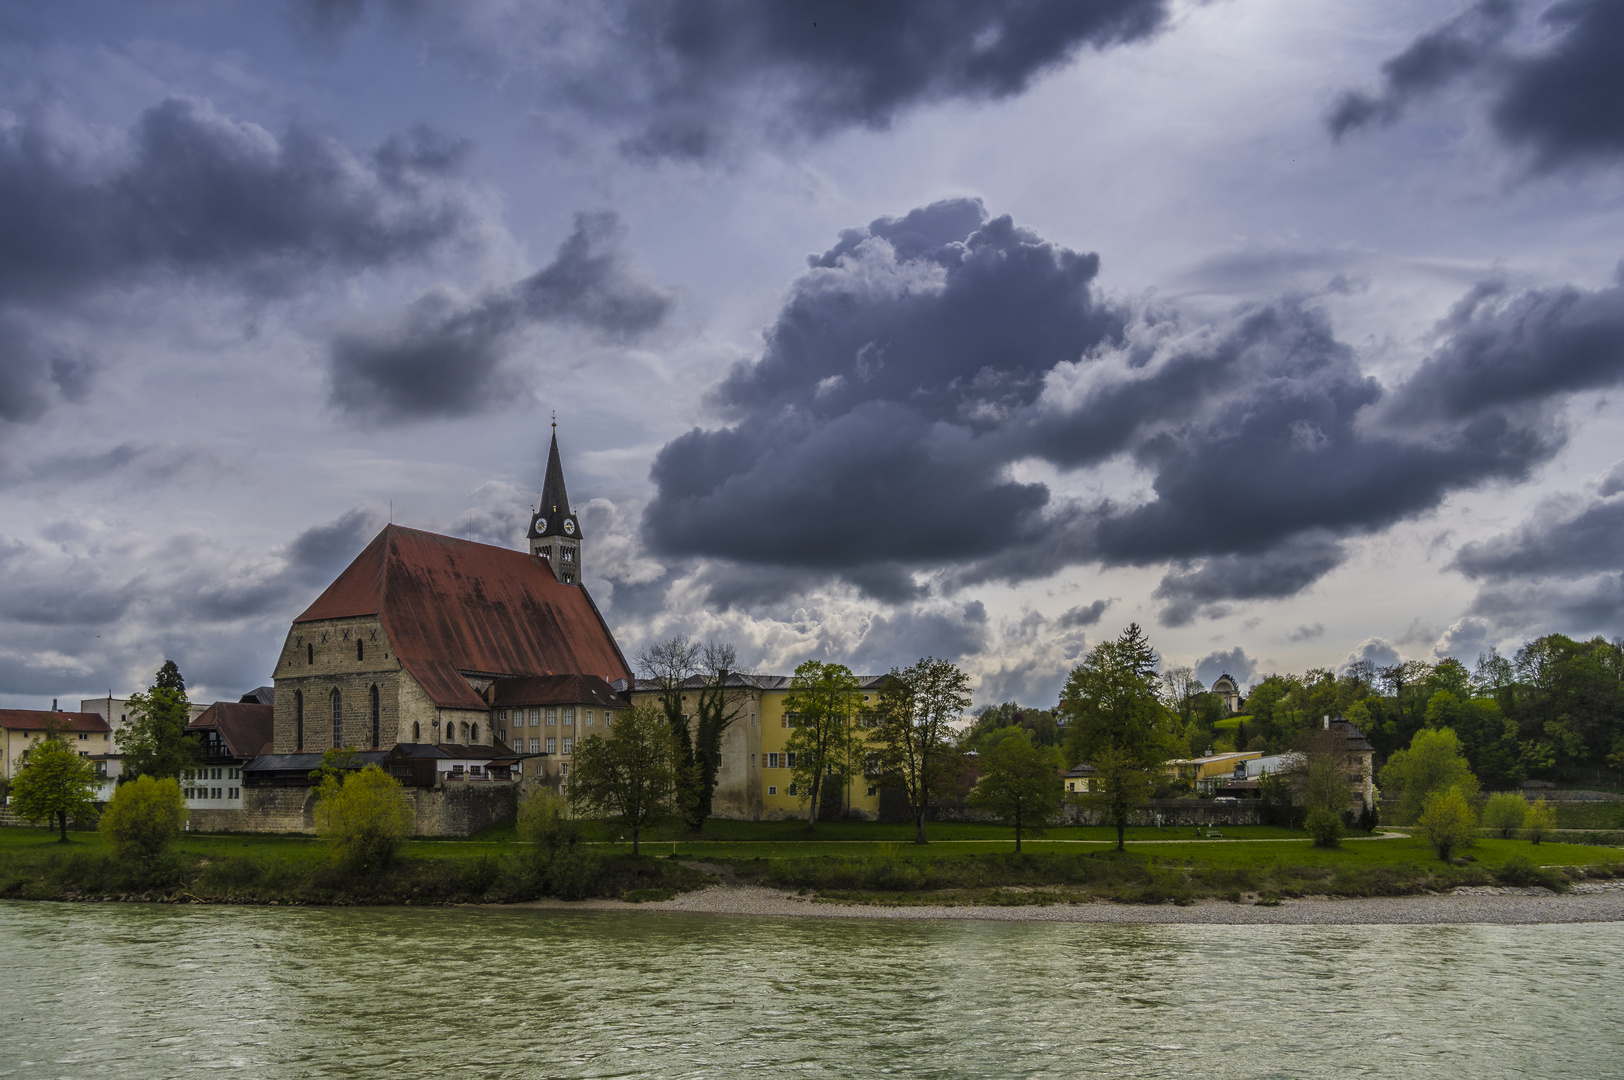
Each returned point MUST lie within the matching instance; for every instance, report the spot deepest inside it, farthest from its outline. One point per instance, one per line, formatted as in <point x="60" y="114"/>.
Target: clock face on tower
<point x="569" y="527"/>
<point x="541" y="525"/>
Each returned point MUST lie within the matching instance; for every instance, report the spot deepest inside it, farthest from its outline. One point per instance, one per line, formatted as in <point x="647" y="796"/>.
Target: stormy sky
<point x="1291" y="329"/>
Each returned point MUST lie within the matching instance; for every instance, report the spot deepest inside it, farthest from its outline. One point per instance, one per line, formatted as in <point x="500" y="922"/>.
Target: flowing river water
<point x="129" y="990"/>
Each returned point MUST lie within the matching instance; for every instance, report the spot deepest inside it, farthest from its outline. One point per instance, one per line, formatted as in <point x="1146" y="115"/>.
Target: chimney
<point x="53" y="706"/>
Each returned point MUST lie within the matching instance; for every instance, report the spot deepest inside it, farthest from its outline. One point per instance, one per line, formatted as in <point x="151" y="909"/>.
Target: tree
<point x="54" y="783"/>
<point x="363" y="815"/>
<point x="1182" y="689"/>
<point x="1504" y="813"/>
<point x="822" y="701"/>
<point x="565" y="868"/>
<point x="1319" y="773"/>
<point x="154" y="741"/>
<point x="1020" y="783"/>
<point x="1111" y="700"/>
<point x="670" y="665"/>
<point x="716" y="711"/>
<point x="1446" y="822"/>
<point x="142" y="817"/>
<point x="915" y="715"/>
<point x="1433" y="763"/>
<point x="626" y="776"/>
<point x="1121" y="784"/>
<point x="1538" y="822"/>
<point x="1325" y="827"/>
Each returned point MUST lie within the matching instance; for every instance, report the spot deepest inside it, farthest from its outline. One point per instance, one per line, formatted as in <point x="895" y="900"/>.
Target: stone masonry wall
<point x="460" y="808"/>
<point x="331" y="644"/>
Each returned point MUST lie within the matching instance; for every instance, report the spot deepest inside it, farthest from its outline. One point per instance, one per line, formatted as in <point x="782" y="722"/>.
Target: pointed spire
<point x="554" y="517"/>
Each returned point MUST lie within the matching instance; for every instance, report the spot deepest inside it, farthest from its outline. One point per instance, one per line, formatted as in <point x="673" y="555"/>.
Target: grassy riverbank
<point x="849" y="861"/>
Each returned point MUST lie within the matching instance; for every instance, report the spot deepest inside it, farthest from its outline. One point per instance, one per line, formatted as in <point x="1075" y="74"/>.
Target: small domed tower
<point x="555" y="532"/>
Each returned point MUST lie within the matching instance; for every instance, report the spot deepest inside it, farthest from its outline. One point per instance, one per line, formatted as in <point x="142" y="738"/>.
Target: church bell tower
<point x="555" y="532"/>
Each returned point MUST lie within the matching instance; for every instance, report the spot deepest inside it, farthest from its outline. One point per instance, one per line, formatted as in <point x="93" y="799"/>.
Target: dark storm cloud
<point x="447" y="359"/>
<point x="35" y="374"/>
<point x="1282" y="571"/>
<point x="691" y="78"/>
<point x="203" y="194"/>
<point x="1084" y="615"/>
<point x="1564" y="103"/>
<point x="1502" y="349"/>
<point x="922" y="358"/>
<point x="1564" y="538"/>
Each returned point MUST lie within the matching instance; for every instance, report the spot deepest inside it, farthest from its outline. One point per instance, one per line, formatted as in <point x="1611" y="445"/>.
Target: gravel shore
<point x="1589" y="902"/>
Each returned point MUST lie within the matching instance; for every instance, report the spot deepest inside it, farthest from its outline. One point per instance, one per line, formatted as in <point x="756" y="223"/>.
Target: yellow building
<point x="1210" y="772"/>
<point x="1079" y="779"/>
<point x="22" y="728"/>
<point x="756" y="780"/>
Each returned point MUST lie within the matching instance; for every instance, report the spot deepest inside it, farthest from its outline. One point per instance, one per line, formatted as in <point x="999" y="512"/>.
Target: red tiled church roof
<point x="451" y="606"/>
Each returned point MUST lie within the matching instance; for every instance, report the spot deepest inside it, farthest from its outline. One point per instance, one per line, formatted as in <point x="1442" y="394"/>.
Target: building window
<point x="771" y="790"/>
<point x="872" y="790"/>
<point x="298" y="719"/>
<point x="552" y="746"/>
<point x="338" y="720"/>
<point x="360" y="653"/>
<point x="417" y="731"/>
<point x="310" y="654"/>
<point x="608" y="718"/>
<point x="588" y="720"/>
<point x="789" y="762"/>
<point x="535" y="746"/>
<point x="473" y="734"/>
<point x="552" y="717"/>
<point x="792" y="789"/>
<point x="374" y="714"/>
<point x="535" y="717"/>
<point x="569" y="717"/>
<point x="567" y="743"/>
<point x="772" y="761"/>
<point x="563" y="769"/>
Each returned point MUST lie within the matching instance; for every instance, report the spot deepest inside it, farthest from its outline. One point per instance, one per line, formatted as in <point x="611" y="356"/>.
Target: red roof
<point x="36" y="720"/>
<point x="242" y="726"/>
<point x="451" y="606"/>
<point x="556" y="690"/>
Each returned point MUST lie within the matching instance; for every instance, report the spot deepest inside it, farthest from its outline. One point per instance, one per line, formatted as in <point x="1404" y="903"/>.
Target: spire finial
<point x="555" y="421"/>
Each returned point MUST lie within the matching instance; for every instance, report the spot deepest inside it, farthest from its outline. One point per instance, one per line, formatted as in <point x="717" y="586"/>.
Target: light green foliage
<point x="1325" y="826"/>
<point x="363" y="816"/>
<point x="1323" y="773"/>
<point x="1020" y="783"/>
<point x="566" y="869"/>
<point x="154" y="740"/>
<point x="1040" y="724"/>
<point x="1504" y="813"/>
<point x="1121" y="784"/>
<point x="1538" y="822"/>
<point x="626" y="776"/>
<point x="917" y="708"/>
<point x="1446" y="822"/>
<point x="1433" y="763"/>
<point x="54" y="784"/>
<point x="824" y="700"/>
<point x="143" y="817"/>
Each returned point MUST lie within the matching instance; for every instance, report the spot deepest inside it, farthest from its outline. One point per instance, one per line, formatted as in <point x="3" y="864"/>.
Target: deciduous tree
<point x="914" y="718"/>
<point x="1121" y="785"/>
<point x="54" y="784"/>
<point x="1433" y="763"/>
<point x="363" y="815"/>
<point x="627" y="775"/>
<point x="1446" y="822"/>
<point x="1020" y="783"/>
<point x="823" y="702"/>
<point x="143" y="817"/>
<point x="154" y="740"/>
<point x="1538" y="822"/>
<point x="1504" y="813"/>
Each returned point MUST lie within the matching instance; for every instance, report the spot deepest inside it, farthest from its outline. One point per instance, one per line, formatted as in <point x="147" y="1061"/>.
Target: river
<point x="125" y="990"/>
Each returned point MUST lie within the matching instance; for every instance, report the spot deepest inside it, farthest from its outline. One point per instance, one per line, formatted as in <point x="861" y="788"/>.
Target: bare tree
<point x="718" y="706"/>
<point x="1180" y="686"/>
<point x="916" y="710"/>
<point x="669" y="665"/>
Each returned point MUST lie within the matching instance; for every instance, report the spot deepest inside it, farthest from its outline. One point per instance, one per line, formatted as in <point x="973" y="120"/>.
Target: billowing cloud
<point x="1232" y="662"/>
<point x="1083" y="615"/>
<point x="197" y="196"/>
<point x="448" y="357"/>
<point x="918" y="364"/>
<point x="693" y="78"/>
<point x="1561" y="102"/>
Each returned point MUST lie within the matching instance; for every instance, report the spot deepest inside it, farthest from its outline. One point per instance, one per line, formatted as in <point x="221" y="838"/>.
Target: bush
<point x="1446" y="822"/>
<point x="142" y="817"/>
<point x="1369" y="818"/>
<point x="564" y="869"/>
<point x="1504" y="813"/>
<point x="363" y="817"/>
<point x="1538" y="821"/>
<point x="1325" y="827"/>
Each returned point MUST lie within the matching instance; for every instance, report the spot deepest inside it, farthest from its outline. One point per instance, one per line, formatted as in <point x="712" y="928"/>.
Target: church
<point x="445" y="660"/>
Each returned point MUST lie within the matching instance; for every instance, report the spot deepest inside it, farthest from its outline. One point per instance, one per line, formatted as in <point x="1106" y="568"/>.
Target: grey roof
<point x="308" y="762"/>
<point x="259" y="695"/>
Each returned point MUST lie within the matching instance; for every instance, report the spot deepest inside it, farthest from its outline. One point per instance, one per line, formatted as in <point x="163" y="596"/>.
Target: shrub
<point x="1504" y="813"/>
<point x="1446" y="822"/>
<point x="1369" y="818"/>
<point x="363" y="817"/>
<point x="1325" y="827"/>
<point x="564" y="869"/>
<point x="142" y="817"/>
<point x="1538" y="821"/>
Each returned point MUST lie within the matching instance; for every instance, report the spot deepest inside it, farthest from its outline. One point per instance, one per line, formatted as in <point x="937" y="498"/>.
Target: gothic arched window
<point x="310" y="654"/>
<point x="360" y="653"/>
<point x="338" y="720"/>
<point x="417" y="731"/>
<point x="473" y="734"/>
<point x="298" y="720"/>
<point x="374" y="712"/>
